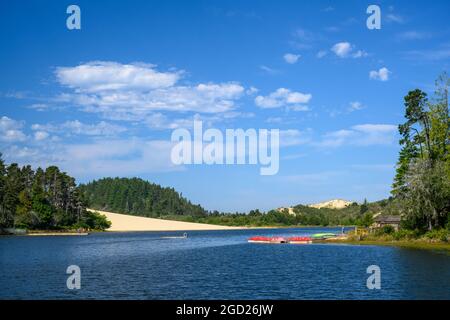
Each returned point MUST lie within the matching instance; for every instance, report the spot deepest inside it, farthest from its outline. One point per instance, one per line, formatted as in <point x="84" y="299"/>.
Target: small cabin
<point x="382" y="221"/>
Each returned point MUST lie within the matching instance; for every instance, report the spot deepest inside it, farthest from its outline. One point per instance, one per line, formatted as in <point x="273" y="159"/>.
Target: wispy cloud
<point x="160" y="121"/>
<point x="10" y="130"/>
<point x="41" y="135"/>
<point x="355" y="106"/>
<point x="382" y="74"/>
<point x="303" y="39"/>
<point x="75" y="127"/>
<point x="393" y="17"/>
<point x="321" y="54"/>
<point x="291" y="58"/>
<point x="360" y="135"/>
<point x="346" y="49"/>
<point x="39" y="107"/>
<point x="438" y="54"/>
<point x="294" y="137"/>
<point x="269" y="70"/>
<point x="413" y="35"/>
<point x="282" y="97"/>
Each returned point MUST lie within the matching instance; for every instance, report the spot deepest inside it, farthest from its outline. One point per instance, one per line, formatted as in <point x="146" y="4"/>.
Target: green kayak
<point x="323" y="235"/>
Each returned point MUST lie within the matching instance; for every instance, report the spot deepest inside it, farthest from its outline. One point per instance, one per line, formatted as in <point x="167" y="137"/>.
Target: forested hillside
<point x="137" y="197"/>
<point x="42" y="199"/>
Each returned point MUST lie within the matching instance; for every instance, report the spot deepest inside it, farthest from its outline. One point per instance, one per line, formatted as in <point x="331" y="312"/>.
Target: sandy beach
<point x="124" y="222"/>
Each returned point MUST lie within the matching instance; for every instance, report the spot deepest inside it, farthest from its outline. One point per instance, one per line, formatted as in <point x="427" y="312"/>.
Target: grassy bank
<point x="413" y="244"/>
<point x="387" y="236"/>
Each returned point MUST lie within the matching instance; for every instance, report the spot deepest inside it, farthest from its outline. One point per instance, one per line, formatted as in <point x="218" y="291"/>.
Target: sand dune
<point x="124" y="222"/>
<point x="332" y="204"/>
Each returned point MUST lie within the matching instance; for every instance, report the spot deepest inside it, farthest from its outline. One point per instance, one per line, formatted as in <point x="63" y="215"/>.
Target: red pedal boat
<point x="299" y="240"/>
<point x="260" y="239"/>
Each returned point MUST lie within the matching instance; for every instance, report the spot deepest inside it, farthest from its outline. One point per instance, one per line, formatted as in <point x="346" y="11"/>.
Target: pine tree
<point x="423" y="169"/>
<point x="3" y="215"/>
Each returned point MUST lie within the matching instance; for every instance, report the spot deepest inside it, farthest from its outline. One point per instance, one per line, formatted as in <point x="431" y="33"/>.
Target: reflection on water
<point x="215" y="265"/>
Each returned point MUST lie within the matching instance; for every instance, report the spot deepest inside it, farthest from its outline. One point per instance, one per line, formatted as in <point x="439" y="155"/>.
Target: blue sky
<point x="104" y="100"/>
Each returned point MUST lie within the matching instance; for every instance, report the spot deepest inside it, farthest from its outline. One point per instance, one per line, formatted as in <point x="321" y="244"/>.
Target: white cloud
<point x="304" y="39"/>
<point x="251" y="91"/>
<point x="291" y="58"/>
<point x="100" y="129"/>
<point x="39" y="107"/>
<point x="274" y="120"/>
<point x="160" y="121"/>
<point x="76" y="127"/>
<point x="391" y="17"/>
<point x="321" y="54"/>
<point x="9" y="124"/>
<point x="282" y="97"/>
<point x="382" y="74"/>
<point x="375" y="128"/>
<point x="355" y="105"/>
<point x="360" y="135"/>
<point x="268" y="70"/>
<point x="41" y="135"/>
<point x="43" y="127"/>
<point x="298" y="107"/>
<point x="359" y="54"/>
<point x="342" y="49"/>
<point x="294" y="137"/>
<point x="131" y="91"/>
<point x="10" y="130"/>
<point x="346" y="49"/>
<point x="103" y="76"/>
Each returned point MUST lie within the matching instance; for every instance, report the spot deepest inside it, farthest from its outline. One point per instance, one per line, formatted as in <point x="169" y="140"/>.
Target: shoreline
<point x="411" y="244"/>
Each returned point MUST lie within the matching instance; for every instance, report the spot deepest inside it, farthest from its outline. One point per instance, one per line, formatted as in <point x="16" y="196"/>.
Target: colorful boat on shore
<point x="261" y="239"/>
<point x="299" y="240"/>
<point x="292" y="240"/>
<point x="323" y="236"/>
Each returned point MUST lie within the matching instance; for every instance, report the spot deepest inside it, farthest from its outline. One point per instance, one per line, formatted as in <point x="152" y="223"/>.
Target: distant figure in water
<point x="185" y="235"/>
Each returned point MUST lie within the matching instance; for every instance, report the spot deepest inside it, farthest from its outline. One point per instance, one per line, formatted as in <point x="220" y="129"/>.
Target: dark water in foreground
<point x="214" y="265"/>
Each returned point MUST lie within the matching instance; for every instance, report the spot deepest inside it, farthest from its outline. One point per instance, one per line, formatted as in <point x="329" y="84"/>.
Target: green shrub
<point x="405" y="234"/>
<point x="386" y="230"/>
<point x="441" y="234"/>
<point x="94" y="221"/>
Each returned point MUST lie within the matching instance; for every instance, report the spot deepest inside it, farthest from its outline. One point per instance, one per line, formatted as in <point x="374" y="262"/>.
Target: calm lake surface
<point x="214" y="265"/>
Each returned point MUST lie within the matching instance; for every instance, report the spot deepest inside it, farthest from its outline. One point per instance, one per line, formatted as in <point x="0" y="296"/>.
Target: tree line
<point x="137" y="197"/>
<point x="422" y="180"/>
<point x="43" y="199"/>
<point x="302" y="215"/>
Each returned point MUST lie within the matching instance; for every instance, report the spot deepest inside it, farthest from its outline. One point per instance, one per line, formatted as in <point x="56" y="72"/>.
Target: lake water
<point x="215" y="265"/>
